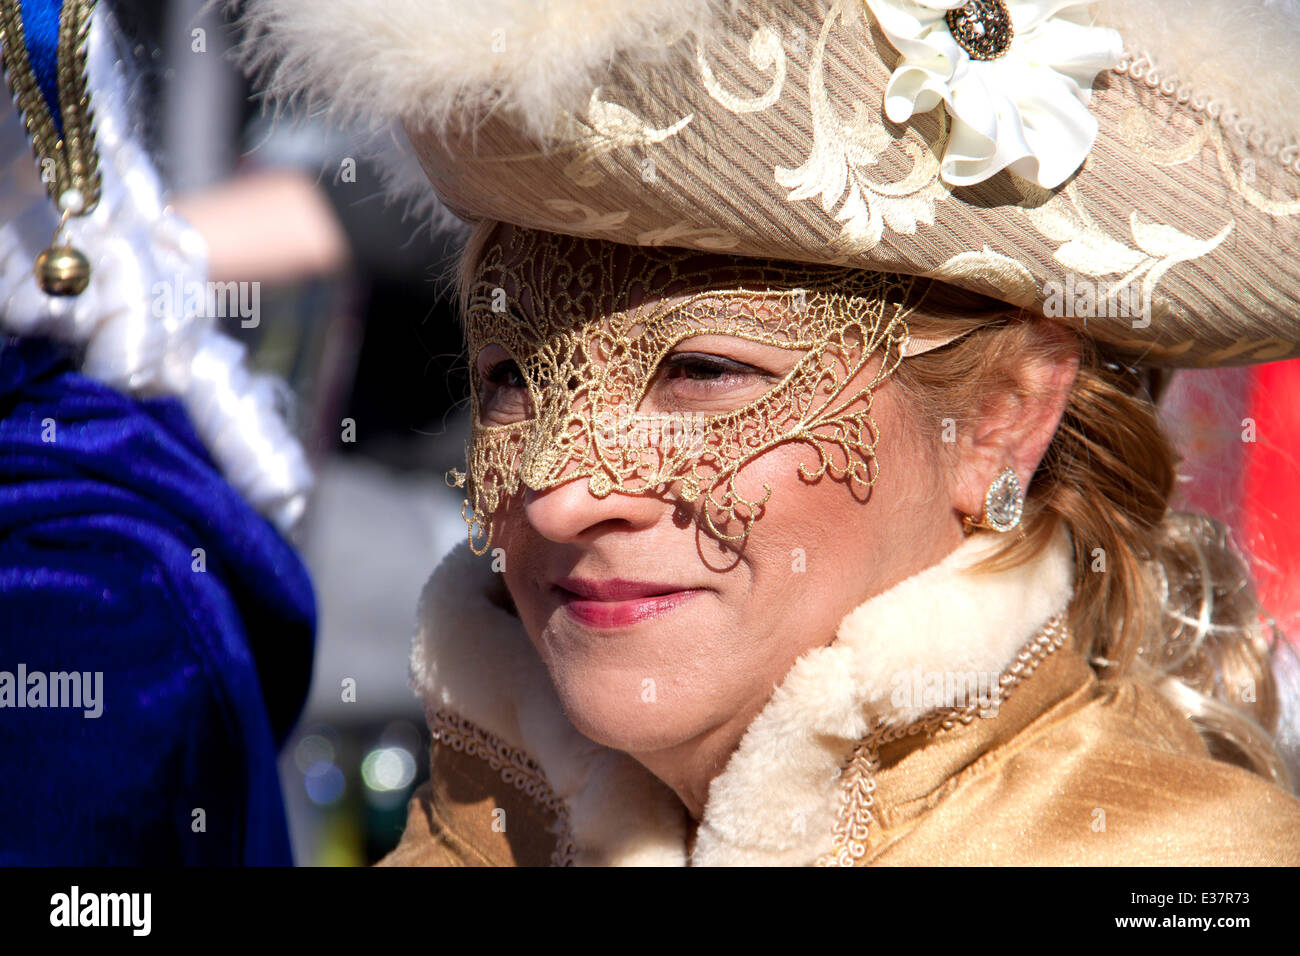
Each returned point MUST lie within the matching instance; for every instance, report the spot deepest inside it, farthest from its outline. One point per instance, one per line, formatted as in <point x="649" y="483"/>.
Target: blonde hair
<point x="1160" y="595"/>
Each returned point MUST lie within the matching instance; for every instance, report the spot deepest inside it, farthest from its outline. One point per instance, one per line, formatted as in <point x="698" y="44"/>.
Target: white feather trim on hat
<point x="1240" y="54"/>
<point x="429" y="61"/>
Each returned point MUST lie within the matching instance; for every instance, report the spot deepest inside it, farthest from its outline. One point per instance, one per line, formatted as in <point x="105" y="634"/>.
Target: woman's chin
<point x="624" y="712"/>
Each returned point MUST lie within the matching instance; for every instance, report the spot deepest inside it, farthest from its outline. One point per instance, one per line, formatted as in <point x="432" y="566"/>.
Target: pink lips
<point x="616" y="602"/>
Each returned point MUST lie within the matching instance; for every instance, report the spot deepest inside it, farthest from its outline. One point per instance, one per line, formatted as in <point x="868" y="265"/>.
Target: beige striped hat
<point x="1129" y="167"/>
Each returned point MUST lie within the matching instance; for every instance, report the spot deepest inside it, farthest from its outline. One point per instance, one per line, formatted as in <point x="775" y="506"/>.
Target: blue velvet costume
<point x="204" y="672"/>
<point x="125" y="553"/>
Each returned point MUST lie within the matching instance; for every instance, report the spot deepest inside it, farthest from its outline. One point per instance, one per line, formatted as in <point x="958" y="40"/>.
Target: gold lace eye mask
<point x="588" y="325"/>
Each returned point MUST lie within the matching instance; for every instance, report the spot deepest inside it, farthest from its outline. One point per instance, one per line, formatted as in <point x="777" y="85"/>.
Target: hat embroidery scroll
<point x="837" y="169"/>
<point x="1033" y="117"/>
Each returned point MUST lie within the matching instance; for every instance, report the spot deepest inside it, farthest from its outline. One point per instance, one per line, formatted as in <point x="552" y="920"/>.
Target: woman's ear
<point x="1015" y="427"/>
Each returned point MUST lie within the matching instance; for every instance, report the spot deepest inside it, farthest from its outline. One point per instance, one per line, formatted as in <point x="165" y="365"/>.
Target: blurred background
<point x="356" y="316"/>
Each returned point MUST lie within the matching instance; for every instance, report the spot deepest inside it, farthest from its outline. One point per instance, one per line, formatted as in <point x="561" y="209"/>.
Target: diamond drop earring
<point x="1003" y="504"/>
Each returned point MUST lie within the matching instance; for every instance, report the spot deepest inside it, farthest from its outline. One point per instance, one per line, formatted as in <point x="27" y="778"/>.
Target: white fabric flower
<point x="1025" y="110"/>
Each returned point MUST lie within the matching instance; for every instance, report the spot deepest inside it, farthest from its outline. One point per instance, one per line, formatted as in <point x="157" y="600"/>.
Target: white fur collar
<point x="775" y="803"/>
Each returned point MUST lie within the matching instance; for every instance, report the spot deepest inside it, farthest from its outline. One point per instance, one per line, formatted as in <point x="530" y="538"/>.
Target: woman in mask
<point x="818" y="506"/>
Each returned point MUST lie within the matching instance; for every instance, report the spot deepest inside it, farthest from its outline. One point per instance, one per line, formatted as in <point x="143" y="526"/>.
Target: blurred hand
<point x="271" y="226"/>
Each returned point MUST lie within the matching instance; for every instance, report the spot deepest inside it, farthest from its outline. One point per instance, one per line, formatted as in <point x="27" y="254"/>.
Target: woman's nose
<point x="570" y="512"/>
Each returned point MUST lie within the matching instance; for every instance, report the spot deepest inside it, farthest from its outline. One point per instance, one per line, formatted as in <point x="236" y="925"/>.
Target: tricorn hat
<point x="1130" y="167"/>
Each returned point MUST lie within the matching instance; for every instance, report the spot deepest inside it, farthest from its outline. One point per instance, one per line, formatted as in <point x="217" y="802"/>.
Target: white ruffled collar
<point x="472" y="657"/>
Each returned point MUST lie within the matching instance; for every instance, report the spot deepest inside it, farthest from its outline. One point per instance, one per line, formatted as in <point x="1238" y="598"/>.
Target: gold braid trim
<point x="516" y="768"/>
<point x="76" y="165"/>
<point x="857" y="778"/>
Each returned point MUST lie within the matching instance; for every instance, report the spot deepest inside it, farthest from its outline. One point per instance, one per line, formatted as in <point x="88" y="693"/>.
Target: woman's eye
<point x="687" y="378"/>
<point x="703" y="367"/>
<point x="699" y="368"/>
<point x="503" y="393"/>
<point x="506" y="374"/>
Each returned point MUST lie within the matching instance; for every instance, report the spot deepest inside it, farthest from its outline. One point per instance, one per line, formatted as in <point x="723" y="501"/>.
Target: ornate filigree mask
<point x="570" y="341"/>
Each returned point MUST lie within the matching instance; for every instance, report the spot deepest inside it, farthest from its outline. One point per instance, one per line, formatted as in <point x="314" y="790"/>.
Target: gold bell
<point x="62" y="270"/>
